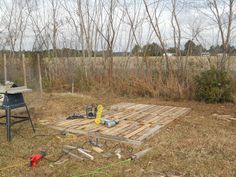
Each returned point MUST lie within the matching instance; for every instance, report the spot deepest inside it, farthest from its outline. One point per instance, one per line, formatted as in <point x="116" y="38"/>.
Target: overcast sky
<point x="192" y="15"/>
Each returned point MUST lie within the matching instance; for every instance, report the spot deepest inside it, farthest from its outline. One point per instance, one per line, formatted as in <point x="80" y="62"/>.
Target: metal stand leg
<point x="8" y="123"/>
<point x="30" y="118"/>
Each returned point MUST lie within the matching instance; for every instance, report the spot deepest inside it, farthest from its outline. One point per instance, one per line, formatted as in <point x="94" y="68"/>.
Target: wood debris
<point x="82" y="151"/>
<point x="224" y="117"/>
<point x="97" y="149"/>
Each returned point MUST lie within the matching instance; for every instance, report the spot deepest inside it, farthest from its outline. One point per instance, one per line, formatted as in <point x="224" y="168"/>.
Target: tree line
<point x="190" y="48"/>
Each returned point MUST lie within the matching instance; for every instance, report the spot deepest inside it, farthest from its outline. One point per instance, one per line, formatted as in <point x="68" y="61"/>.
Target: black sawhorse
<point x="13" y="101"/>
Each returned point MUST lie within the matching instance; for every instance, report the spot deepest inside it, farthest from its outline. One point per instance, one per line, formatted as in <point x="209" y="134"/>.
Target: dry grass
<point x="196" y="145"/>
<point x="131" y="76"/>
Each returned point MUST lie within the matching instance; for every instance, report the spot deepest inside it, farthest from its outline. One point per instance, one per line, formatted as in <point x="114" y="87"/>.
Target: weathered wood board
<point x="137" y="122"/>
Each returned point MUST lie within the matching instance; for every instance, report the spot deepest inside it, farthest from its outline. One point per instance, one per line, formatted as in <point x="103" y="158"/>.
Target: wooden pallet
<point x="137" y="122"/>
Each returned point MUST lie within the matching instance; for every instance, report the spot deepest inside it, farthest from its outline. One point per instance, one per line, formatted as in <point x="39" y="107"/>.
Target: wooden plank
<point x="116" y="138"/>
<point x="150" y="118"/>
<point x="145" y="109"/>
<point x="129" y="116"/>
<point x="182" y="113"/>
<point x="169" y="111"/>
<point x="118" y="115"/>
<point x="143" y="117"/>
<point x="169" y="119"/>
<point x="165" y="121"/>
<point x="180" y="109"/>
<point x="140" y="117"/>
<point x="156" y="119"/>
<point x="153" y="109"/>
<point x="164" y="115"/>
<point x="117" y="128"/>
<point x="88" y="127"/>
<point x="137" y="131"/>
<point x="130" y="129"/>
<point x="101" y="128"/>
<point x="149" y="133"/>
<point x="114" y="115"/>
<point x="161" y="110"/>
<point x="156" y="110"/>
<point x="122" y="131"/>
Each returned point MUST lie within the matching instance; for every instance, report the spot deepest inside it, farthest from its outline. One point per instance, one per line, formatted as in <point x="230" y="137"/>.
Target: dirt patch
<point x="194" y="145"/>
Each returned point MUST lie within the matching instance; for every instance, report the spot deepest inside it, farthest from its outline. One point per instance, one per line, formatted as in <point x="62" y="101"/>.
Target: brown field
<point x="195" y="145"/>
<point x="132" y="76"/>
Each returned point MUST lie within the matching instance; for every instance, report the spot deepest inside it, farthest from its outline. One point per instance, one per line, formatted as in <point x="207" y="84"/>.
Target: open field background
<point x="135" y="76"/>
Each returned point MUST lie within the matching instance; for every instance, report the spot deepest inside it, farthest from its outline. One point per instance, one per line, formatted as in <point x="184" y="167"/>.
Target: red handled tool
<point x="34" y="159"/>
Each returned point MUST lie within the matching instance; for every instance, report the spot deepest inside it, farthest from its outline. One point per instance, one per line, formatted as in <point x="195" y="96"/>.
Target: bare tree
<point x="154" y="21"/>
<point x="15" y="20"/>
<point x="55" y="4"/>
<point x="223" y="14"/>
<point x="176" y="28"/>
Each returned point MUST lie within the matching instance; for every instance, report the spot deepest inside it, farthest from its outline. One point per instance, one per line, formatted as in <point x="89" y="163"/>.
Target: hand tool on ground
<point x="34" y="159"/>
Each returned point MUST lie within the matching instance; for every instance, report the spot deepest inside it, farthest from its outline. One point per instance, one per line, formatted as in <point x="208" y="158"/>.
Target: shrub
<point x="214" y="86"/>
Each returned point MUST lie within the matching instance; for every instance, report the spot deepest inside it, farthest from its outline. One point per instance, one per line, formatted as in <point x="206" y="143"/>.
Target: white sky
<point x="189" y="15"/>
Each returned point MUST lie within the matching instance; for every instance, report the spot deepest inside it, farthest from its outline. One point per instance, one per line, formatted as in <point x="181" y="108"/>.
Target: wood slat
<point x="118" y="133"/>
<point x="160" y="110"/>
<point x="130" y="129"/>
<point x="149" y="133"/>
<point x="118" y="139"/>
<point x="138" y="122"/>
<point x="140" y="117"/>
<point x="155" y="119"/>
<point x="137" y="131"/>
<point x="169" y="111"/>
<point x="147" y="108"/>
<point x="150" y="118"/>
<point x="118" y="115"/>
<point x="129" y="116"/>
<point x="154" y="109"/>
<point x="117" y="128"/>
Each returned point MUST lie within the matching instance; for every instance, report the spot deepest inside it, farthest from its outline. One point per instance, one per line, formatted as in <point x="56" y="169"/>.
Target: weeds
<point x="130" y="77"/>
<point x="214" y="86"/>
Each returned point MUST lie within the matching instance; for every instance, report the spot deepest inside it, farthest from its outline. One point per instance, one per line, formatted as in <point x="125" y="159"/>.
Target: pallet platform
<point x="137" y="122"/>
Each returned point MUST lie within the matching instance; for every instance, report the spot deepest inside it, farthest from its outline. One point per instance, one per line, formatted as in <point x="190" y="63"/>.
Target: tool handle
<point x="140" y="154"/>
